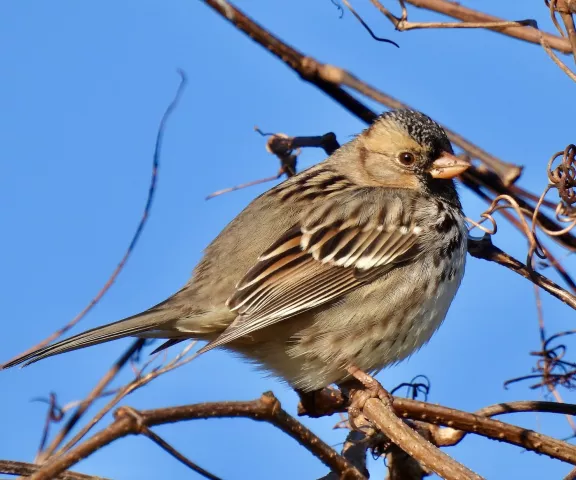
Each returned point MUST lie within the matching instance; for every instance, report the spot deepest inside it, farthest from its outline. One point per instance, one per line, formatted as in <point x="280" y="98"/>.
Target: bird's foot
<point x="361" y="388"/>
<point x="363" y="382"/>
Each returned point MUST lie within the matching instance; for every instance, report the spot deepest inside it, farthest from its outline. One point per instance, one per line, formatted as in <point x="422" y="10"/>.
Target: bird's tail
<point x="148" y="322"/>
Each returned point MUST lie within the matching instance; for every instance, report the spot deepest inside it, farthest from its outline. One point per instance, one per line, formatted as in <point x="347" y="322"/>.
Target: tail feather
<point x="132" y="326"/>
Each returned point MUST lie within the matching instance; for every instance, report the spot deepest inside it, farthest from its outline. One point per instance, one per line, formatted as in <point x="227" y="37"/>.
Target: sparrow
<point x="354" y="261"/>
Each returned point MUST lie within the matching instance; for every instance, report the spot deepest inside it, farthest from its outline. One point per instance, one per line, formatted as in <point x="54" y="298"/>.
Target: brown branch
<point x="465" y="14"/>
<point x="283" y="147"/>
<point x="571" y="475"/>
<point x="164" y="445"/>
<point x="127" y="389"/>
<point x="402" y="24"/>
<point x="557" y="60"/>
<point x="381" y="412"/>
<point x="10" y="467"/>
<point x="486" y="250"/>
<point x="384" y="417"/>
<point x="280" y="144"/>
<point x="461" y="423"/>
<point x="480" y="425"/>
<point x="354" y="450"/>
<point x="265" y="409"/>
<point x="566" y="8"/>
<point x="92" y="396"/>
<point x="402" y="466"/>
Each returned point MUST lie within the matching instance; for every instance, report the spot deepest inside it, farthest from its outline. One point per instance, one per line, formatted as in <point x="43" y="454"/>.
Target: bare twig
<point x="266" y="408"/>
<point x="566" y="8"/>
<point x="460" y="423"/>
<point x="139" y="229"/>
<point x="557" y="60"/>
<point x="479" y="424"/>
<point x="486" y="250"/>
<point x="368" y="29"/>
<point x="10" y="467"/>
<point x="55" y="414"/>
<point x="137" y="383"/>
<point x="164" y="445"/>
<point x="571" y="475"/>
<point x="284" y="148"/>
<point x="402" y="23"/>
<point x="465" y="14"/>
<point x="89" y="400"/>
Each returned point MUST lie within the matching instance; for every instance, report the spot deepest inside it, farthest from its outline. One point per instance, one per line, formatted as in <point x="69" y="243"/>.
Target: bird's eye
<point x="406" y="158"/>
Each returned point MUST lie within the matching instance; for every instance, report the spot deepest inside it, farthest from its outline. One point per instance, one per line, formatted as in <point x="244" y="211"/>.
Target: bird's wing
<point x="316" y="262"/>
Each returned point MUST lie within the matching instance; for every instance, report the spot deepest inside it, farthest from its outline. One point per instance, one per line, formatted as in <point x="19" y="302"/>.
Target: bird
<point x="353" y="261"/>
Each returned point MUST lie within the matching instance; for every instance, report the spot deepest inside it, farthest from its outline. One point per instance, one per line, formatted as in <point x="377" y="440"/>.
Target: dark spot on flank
<point x="446" y="224"/>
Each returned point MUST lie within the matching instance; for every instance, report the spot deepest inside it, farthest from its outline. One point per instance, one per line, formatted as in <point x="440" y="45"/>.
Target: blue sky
<point x="84" y="85"/>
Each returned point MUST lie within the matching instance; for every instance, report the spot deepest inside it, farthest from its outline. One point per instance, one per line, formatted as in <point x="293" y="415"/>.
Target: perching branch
<point x="10" y="467"/>
<point x="265" y="409"/>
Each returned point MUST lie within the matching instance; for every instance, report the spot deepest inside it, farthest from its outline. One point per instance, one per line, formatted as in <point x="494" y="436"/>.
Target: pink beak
<point x="448" y="166"/>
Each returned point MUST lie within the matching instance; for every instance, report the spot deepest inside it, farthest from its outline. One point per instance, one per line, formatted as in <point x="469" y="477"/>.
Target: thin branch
<point x="241" y="186"/>
<point x="479" y="424"/>
<point x="566" y="9"/>
<point x="164" y="445"/>
<point x="283" y="147"/>
<point x="569" y="24"/>
<point x="139" y="229"/>
<point x="406" y="26"/>
<point x="465" y="14"/>
<point x="367" y="27"/>
<point x="486" y="250"/>
<point x="137" y="383"/>
<point x="571" y="475"/>
<point x="265" y="409"/>
<point x="557" y="61"/>
<point x="461" y="423"/>
<point x="92" y="396"/>
<point x="10" y="467"/>
<point x="402" y="24"/>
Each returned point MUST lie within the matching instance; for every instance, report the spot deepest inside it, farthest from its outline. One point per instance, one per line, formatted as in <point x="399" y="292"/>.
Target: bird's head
<point x="406" y="149"/>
